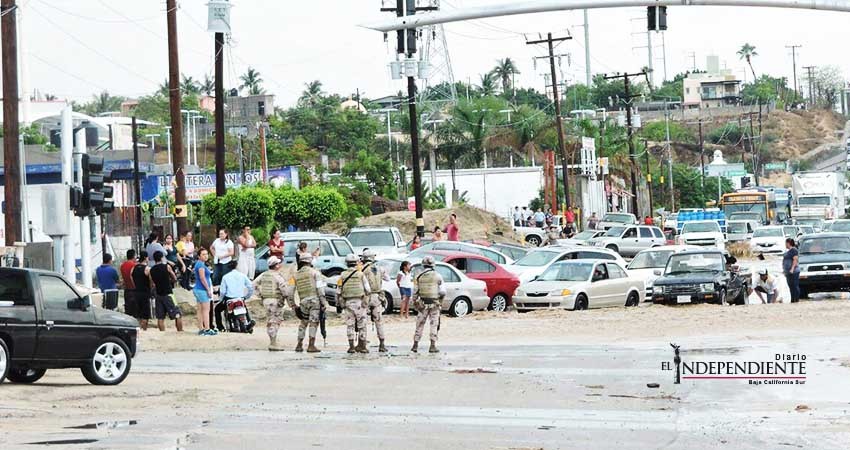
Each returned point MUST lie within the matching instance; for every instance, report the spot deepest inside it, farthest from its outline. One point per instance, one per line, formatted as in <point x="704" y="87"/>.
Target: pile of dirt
<point x="799" y="132"/>
<point x="474" y="223"/>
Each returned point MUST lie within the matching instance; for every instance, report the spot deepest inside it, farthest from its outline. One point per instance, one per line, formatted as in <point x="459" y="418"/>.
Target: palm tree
<point x="208" y="85"/>
<point x="312" y="93"/>
<point x="487" y="86"/>
<point x="103" y="102"/>
<point x="505" y="70"/>
<point x="747" y="52"/>
<point x="251" y="81"/>
<point x="189" y="86"/>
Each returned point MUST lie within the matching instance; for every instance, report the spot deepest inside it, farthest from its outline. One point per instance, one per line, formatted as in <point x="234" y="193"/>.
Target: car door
<point x="452" y="283"/>
<point x="629" y="241"/>
<point x="645" y="239"/>
<point x="599" y="292"/>
<point x="63" y="333"/>
<point x="619" y="280"/>
<point x="17" y="313"/>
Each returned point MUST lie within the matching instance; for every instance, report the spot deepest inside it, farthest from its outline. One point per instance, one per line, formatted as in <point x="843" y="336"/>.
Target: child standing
<point x="404" y="280"/>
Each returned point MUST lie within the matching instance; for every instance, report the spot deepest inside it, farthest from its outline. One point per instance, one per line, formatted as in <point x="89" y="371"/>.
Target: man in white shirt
<point x="517" y="216"/>
<point x="765" y="288"/>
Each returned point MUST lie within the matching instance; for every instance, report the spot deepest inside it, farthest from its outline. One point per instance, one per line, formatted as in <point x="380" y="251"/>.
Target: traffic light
<point x="656" y="18"/>
<point x="94" y="195"/>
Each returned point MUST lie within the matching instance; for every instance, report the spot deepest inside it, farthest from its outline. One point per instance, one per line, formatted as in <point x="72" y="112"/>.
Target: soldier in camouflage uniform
<point x="351" y="292"/>
<point x="428" y="294"/>
<point x="309" y="282"/>
<point x="376" y="275"/>
<point x="275" y="286"/>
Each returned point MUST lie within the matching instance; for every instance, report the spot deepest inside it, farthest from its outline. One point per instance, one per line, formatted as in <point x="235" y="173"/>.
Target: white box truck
<point x="818" y="195"/>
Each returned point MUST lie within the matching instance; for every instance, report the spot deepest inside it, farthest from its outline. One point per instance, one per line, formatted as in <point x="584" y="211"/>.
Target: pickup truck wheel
<point x="533" y="240"/>
<point x="723" y="297"/>
<point x="110" y="363"/>
<point x="741" y="299"/>
<point x="633" y="299"/>
<point x="25" y="376"/>
<point x="613" y="248"/>
<point x="4" y="360"/>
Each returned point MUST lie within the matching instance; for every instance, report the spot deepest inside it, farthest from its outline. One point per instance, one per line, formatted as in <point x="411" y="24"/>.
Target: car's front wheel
<point x="633" y="299"/>
<point x="5" y="357"/>
<point x="110" y="363"/>
<point x="460" y="307"/>
<point x="533" y="240"/>
<point x="581" y="303"/>
<point x="389" y="308"/>
<point x="723" y="297"/>
<point x="24" y="375"/>
<point x="499" y="303"/>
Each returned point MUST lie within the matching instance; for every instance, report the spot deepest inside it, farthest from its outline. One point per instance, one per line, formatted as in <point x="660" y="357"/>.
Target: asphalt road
<point x="479" y="397"/>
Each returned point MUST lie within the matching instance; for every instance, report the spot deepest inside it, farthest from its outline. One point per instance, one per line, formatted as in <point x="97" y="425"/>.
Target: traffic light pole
<point x="85" y="221"/>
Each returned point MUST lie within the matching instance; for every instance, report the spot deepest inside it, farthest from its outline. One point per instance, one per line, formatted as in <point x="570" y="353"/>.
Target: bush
<point x="238" y="208"/>
<point x="321" y="205"/>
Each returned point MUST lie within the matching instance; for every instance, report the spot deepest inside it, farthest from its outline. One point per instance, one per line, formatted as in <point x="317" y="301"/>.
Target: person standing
<point x="222" y="253"/>
<point x="172" y="256"/>
<point x="203" y="293"/>
<point x="309" y="283"/>
<point x="126" y="270"/>
<point x="276" y="245"/>
<point x="247" y="262"/>
<point x="107" y="281"/>
<point x="452" y="229"/>
<point x="302" y="251"/>
<point x="376" y="275"/>
<point x="275" y="288"/>
<point x="526" y="214"/>
<point x="438" y="234"/>
<point x="539" y="219"/>
<point x="186" y="246"/>
<point x="517" y="217"/>
<point x="154" y="245"/>
<point x="163" y="280"/>
<point x="593" y="222"/>
<point x="351" y="292"/>
<point x="141" y="275"/>
<point x="404" y="280"/>
<point x="570" y="219"/>
<point x="233" y="285"/>
<point x="791" y="269"/>
<point x="429" y="292"/>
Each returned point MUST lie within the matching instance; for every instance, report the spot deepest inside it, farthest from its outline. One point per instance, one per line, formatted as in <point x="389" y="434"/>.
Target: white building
<point x="714" y="88"/>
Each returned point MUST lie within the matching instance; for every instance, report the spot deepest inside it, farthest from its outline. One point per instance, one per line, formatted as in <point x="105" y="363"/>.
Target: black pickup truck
<point x="46" y="324"/>
<point x="702" y="276"/>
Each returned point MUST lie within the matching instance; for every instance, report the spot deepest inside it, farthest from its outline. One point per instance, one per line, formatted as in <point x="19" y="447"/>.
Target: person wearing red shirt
<point x="126" y="270"/>
<point x="648" y="221"/>
<point x="276" y="245"/>
<point x="570" y="218"/>
<point x="452" y="229"/>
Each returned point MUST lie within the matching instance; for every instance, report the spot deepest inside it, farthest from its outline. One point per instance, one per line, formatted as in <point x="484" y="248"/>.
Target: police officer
<point x="429" y="291"/>
<point x="351" y="292"/>
<point x="309" y="282"/>
<point x="376" y="275"/>
<point x="275" y="286"/>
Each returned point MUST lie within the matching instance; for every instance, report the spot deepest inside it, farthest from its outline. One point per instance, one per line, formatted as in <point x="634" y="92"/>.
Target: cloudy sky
<point x="75" y="48"/>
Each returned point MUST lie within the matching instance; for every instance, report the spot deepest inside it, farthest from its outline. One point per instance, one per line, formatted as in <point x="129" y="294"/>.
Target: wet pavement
<point x="481" y="397"/>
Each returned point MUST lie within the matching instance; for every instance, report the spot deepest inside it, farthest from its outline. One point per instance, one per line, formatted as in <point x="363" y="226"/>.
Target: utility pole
<point x="648" y="174"/>
<point x="137" y="183"/>
<point x="811" y="77"/>
<point x="558" y="120"/>
<point x="264" y="166"/>
<point x="794" y="48"/>
<point x="175" y="100"/>
<point x="220" y="187"/>
<point x="632" y="156"/>
<point x="700" y="122"/>
<point x="588" y="72"/>
<point x="11" y="140"/>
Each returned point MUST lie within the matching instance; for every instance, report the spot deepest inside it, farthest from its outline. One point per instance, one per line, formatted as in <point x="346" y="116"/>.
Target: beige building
<point x="714" y="88"/>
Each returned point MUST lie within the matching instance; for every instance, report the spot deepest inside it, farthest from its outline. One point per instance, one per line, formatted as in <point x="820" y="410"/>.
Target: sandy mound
<point x="474" y="223"/>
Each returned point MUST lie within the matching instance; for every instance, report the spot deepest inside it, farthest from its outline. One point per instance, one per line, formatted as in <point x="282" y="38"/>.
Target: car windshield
<point x="536" y="259"/>
<point x="700" y="227"/>
<point x="615" y="232"/>
<point x="584" y="235"/>
<point x="618" y="218"/>
<point x="840" y="226"/>
<point x="568" y="271"/>
<point x="745" y="216"/>
<point x="694" y="262"/>
<point x="820" y="245"/>
<point x="790" y="230"/>
<point x="768" y="232"/>
<point x="656" y="259"/>
<point x="371" y="238"/>
<point x="814" y="201"/>
<point x="737" y="227"/>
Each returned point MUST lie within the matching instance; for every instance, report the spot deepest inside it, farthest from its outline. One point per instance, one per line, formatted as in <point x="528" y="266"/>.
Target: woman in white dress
<point x="246" y="263"/>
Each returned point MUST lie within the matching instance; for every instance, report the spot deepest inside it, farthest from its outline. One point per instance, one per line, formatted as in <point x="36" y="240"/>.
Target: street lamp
<point x="389" y="111"/>
<point x="189" y="113"/>
<point x="195" y="134"/>
<point x="153" y="137"/>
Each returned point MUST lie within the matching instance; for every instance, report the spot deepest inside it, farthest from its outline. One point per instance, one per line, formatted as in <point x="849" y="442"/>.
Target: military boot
<point x="311" y="347"/>
<point x="273" y="345"/>
<point x="381" y="347"/>
<point x="415" y="348"/>
<point x="300" y="347"/>
<point x="361" y="347"/>
<point x="351" y="346"/>
<point x="433" y="348"/>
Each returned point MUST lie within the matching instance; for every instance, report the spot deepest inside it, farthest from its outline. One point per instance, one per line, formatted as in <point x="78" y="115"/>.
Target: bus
<point x="743" y="204"/>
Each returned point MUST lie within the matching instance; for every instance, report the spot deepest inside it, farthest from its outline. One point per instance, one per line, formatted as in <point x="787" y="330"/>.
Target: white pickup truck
<point x="704" y="233"/>
<point x="536" y="237"/>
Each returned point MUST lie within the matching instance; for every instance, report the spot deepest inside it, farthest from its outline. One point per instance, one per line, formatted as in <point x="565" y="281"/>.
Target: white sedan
<point x="578" y="285"/>
<point x="649" y="263"/>
<point x="538" y="260"/>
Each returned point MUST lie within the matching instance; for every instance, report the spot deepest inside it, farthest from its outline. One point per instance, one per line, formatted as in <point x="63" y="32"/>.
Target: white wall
<point x="496" y="190"/>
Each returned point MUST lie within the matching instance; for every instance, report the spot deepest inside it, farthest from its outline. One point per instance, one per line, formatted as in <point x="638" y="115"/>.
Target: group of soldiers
<point x="359" y="293"/>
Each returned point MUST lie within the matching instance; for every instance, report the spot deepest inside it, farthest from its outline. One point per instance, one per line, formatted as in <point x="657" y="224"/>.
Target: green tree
<point x="208" y="85"/>
<point x="377" y="171"/>
<point x="240" y="207"/>
<point x="189" y="86"/>
<point x="102" y="103"/>
<point x="657" y="132"/>
<point x="252" y="82"/>
<point x="746" y="53"/>
<point x="487" y="86"/>
<point x="729" y="134"/>
<point x="308" y="208"/>
<point x="312" y="94"/>
<point x="530" y="97"/>
<point x="505" y="70"/>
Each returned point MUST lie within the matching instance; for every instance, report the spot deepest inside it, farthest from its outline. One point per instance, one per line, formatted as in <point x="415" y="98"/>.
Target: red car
<point x="501" y="284"/>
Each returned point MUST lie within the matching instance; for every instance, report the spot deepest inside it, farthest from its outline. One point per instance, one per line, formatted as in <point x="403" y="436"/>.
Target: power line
<point x="96" y="19"/>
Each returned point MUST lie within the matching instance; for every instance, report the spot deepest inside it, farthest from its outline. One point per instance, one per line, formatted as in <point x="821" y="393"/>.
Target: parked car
<point x="381" y="240"/>
<point x="702" y="276"/>
<point x="582" y="238"/>
<point x="465" y="247"/>
<point x="501" y="284"/>
<point x="770" y="239"/>
<point x="617" y="219"/>
<point x="578" y="285"/>
<point x="422" y="241"/>
<point x="840" y="226"/>
<point x="704" y="233"/>
<point x="824" y="263"/>
<point x="515" y="252"/>
<point x="740" y="230"/>
<point x="538" y="260"/>
<point x="46" y="324"/>
<point x="332" y="252"/>
<point x="805" y="229"/>
<point x="463" y="294"/>
<point x="817" y="223"/>
<point x="631" y="239"/>
<point x="650" y="263"/>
